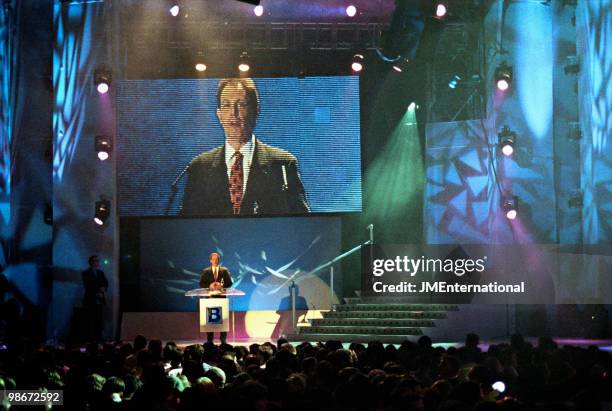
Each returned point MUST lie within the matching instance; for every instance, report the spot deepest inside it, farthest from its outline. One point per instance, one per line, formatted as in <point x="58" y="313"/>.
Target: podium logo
<point x="214" y="315"/>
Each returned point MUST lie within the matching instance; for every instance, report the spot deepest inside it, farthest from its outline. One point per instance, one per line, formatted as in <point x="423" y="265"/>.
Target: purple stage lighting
<point x="507" y="150"/>
<point x="258" y="10"/>
<point x="502" y="84"/>
<point x="507" y="140"/>
<point x="503" y="77"/>
<point x="102" y="80"/>
<point x="102" y="88"/>
<point x="103" y="145"/>
<point x="510" y="206"/>
<point x="351" y="11"/>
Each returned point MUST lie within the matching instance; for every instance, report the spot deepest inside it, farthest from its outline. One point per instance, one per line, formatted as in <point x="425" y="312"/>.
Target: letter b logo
<point x="214" y="315"/>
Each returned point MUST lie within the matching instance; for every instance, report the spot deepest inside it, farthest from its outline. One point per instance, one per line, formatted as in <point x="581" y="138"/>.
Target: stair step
<point x="349" y="338"/>
<point x="415" y="299"/>
<point x="434" y="315"/>
<point x="395" y="307"/>
<point x="360" y="330"/>
<point x="372" y="322"/>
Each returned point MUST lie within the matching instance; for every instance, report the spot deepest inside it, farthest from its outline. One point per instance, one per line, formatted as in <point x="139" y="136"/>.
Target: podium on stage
<point x="215" y="308"/>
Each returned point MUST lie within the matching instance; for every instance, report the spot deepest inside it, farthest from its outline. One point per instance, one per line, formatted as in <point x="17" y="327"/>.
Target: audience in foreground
<point x="149" y="375"/>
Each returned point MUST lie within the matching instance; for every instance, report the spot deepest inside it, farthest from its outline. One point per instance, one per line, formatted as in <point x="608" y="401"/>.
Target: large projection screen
<point x="162" y="125"/>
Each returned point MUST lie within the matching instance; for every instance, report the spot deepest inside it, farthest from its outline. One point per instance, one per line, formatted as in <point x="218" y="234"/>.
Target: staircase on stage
<point x="385" y="319"/>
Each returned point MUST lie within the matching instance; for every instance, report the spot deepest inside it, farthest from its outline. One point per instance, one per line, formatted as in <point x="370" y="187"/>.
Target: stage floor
<point x="603" y="344"/>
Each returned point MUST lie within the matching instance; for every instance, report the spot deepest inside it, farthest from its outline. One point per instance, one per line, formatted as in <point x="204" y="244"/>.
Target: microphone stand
<point x="174" y="189"/>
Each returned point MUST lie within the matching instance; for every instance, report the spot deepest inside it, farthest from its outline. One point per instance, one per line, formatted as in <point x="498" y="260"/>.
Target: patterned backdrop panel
<point x="459" y="186"/>
<point x="594" y="29"/>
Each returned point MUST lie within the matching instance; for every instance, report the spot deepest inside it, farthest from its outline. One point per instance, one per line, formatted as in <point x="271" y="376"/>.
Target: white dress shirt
<point x="247" y="150"/>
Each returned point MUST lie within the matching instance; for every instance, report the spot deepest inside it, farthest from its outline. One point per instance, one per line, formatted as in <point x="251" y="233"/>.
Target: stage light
<point x="510" y="206"/>
<point x="572" y="65"/>
<point x="104" y="146"/>
<point x="258" y="10"/>
<point x="200" y="67"/>
<point x="244" y="64"/>
<point x="441" y="10"/>
<point x="502" y="84"/>
<point x="507" y="139"/>
<point x="412" y="106"/>
<point x="503" y="77"/>
<point x="507" y="149"/>
<point x="175" y="10"/>
<point x="102" y="88"/>
<point x="102" y="211"/>
<point x="499" y="386"/>
<point x="397" y="68"/>
<point x="351" y="11"/>
<point x="102" y="79"/>
<point x="357" y="64"/>
<point x="454" y="81"/>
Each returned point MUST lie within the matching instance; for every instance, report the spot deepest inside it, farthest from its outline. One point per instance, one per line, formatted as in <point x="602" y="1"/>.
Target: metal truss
<point x="459" y="52"/>
<point x="266" y="36"/>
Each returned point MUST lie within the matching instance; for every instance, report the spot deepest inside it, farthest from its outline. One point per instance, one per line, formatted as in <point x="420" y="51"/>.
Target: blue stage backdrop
<point x="264" y="256"/>
<point x="163" y="124"/>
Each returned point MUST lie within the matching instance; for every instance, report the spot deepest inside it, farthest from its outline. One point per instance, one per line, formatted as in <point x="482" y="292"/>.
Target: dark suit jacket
<point x="92" y="283"/>
<point x="207" y="188"/>
<point x="207" y="277"/>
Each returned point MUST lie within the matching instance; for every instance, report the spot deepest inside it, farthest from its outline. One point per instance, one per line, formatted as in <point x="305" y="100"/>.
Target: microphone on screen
<point x="285" y="185"/>
<point x="174" y="189"/>
<point x="179" y="177"/>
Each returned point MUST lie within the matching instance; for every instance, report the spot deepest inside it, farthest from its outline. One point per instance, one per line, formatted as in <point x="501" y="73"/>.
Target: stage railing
<point x="330" y="264"/>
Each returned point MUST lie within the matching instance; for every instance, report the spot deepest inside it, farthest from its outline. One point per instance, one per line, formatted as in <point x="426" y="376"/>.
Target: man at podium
<point x="215" y="277"/>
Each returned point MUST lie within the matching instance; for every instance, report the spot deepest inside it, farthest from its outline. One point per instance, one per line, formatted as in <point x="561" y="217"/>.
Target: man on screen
<point x="244" y="175"/>
<point x="215" y="277"/>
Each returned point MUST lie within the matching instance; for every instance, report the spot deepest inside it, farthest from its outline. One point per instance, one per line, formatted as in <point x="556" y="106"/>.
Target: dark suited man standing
<point x="215" y="277"/>
<point x="244" y="175"/>
<point x="96" y="285"/>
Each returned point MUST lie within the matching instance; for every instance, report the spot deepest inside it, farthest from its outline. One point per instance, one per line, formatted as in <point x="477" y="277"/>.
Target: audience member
<point x="411" y="376"/>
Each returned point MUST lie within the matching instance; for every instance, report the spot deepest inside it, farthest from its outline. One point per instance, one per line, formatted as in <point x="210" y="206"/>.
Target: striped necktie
<point x="235" y="183"/>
